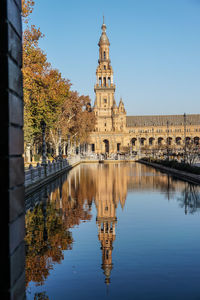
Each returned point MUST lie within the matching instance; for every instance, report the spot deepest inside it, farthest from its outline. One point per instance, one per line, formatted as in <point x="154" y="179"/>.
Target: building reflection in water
<point x="66" y="202"/>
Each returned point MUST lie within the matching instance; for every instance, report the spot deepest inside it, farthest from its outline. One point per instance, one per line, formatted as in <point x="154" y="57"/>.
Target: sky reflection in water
<point x="113" y="231"/>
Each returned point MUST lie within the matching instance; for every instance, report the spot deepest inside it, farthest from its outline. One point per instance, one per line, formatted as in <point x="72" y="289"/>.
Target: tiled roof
<point x="161" y="120"/>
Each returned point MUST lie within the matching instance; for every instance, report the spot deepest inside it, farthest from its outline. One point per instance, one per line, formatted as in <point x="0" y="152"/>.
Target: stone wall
<point x="11" y="149"/>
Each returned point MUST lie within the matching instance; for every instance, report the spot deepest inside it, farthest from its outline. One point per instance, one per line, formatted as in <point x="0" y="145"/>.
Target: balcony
<point x="102" y="86"/>
<point x="104" y="60"/>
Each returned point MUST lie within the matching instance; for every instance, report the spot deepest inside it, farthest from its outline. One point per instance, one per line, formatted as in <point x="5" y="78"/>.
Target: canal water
<point x="113" y="231"/>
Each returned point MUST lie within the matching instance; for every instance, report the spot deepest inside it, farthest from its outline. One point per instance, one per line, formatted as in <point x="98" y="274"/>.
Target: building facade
<point x="116" y="132"/>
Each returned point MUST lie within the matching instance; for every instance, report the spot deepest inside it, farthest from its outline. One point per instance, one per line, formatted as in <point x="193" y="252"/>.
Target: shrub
<point x="175" y="165"/>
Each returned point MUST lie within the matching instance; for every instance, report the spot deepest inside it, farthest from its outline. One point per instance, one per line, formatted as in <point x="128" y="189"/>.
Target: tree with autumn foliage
<point x="45" y="90"/>
<point x="47" y="95"/>
<point x="77" y="118"/>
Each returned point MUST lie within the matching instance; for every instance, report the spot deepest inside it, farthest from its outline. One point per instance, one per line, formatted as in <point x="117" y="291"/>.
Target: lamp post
<point x="139" y="152"/>
<point x="59" y="145"/>
<point x="44" y="158"/>
<point x="184" y="116"/>
<point x="167" y="140"/>
<point x="153" y="144"/>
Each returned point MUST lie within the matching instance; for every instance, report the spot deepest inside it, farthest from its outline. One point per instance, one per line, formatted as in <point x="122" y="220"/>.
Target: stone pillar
<point x="11" y="150"/>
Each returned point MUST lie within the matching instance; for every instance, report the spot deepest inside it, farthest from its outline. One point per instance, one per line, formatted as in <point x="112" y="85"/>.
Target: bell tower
<point x="104" y="87"/>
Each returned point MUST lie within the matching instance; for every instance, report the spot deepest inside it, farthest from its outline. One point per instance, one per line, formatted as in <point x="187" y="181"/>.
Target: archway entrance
<point x="106" y="143"/>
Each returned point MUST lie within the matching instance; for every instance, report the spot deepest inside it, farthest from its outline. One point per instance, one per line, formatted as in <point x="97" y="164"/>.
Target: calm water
<point x="114" y="231"/>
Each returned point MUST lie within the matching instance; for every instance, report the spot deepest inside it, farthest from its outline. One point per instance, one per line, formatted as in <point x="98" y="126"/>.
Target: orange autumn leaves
<point x="47" y="95"/>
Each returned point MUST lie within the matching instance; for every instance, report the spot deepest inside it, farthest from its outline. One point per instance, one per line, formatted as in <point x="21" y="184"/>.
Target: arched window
<point x="104" y="54"/>
<point x="142" y="141"/>
<point x="104" y="67"/>
<point x="196" y="140"/>
<point x="109" y="81"/>
<point x="100" y="82"/>
<point x="133" y="141"/>
<point x="187" y="140"/>
<point x="178" y="140"/>
<point x="104" y="81"/>
<point x="151" y="140"/>
<point x="160" y="141"/>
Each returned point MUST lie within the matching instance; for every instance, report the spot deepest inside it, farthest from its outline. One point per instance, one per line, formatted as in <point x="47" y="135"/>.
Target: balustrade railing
<point x="41" y="171"/>
<point x="34" y="175"/>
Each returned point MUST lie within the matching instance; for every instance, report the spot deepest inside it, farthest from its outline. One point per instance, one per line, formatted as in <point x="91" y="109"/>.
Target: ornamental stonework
<point x="115" y="132"/>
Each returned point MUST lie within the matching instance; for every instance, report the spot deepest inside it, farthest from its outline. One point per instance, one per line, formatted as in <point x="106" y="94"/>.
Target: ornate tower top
<point x="103" y="39"/>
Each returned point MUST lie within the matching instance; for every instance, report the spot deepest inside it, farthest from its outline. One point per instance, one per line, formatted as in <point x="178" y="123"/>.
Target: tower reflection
<point x="62" y="205"/>
<point x="111" y="188"/>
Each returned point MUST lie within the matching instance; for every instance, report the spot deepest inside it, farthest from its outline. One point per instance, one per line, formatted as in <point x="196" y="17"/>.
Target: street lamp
<point x="167" y="140"/>
<point x="154" y="141"/>
<point x="44" y="158"/>
<point x="184" y="116"/>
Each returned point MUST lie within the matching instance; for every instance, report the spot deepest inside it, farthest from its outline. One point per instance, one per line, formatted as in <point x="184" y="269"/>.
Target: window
<point x="105" y="100"/>
<point x="104" y="81"/>
<point x="151" y="141"/>
<point x="104" y="55"/>
<point x="104" y="67"/>
<point x="105" y="124"/>
<point x="133" y="141"/>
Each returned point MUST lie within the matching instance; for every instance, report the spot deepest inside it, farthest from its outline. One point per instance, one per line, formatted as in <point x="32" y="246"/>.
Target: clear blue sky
<point x="155" y="49"/>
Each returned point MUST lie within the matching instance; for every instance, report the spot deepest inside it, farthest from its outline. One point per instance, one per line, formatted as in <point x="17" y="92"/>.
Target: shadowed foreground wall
<point x="11" y="150"/>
